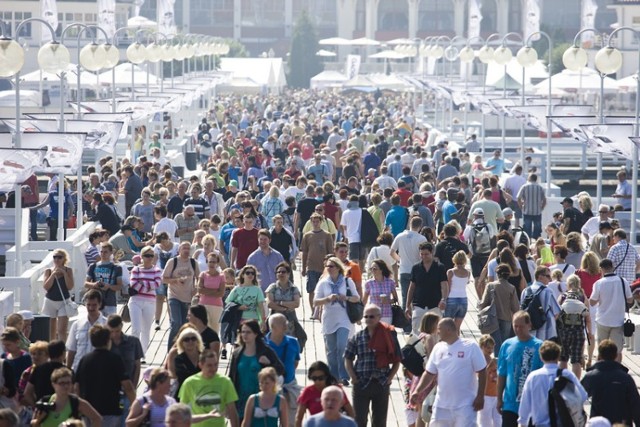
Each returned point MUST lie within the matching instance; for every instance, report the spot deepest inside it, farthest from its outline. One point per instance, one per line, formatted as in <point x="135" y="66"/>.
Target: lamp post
<point x="451" y="54"/>
<point x="575" y="58"/>
<point x="485" y="55"/>
<point x="52" y="57"/>
<point x="608" y="61"/>
<point x="136" y="54"/>
<point x="466" y="56"/>
<point x="527" y="56"/>
<point x="502" y="56"/>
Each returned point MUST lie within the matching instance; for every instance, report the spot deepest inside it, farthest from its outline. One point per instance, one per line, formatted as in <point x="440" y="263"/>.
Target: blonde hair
<point x="486" y="340"/>
<point x="339" y="265"/>
<point x="269" y="372"/>
<point x="189" y="331"/>
<point x="65" y="255"/>
<point x="460" y="258"/>
<point x="557" y="274"/>
<point x="14" y="320"/>
<point x="590" y="263"/>
<point x="574" y="284"/>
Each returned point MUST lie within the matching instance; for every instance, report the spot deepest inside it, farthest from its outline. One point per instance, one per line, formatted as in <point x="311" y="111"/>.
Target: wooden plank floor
<point x="315" y="350"/>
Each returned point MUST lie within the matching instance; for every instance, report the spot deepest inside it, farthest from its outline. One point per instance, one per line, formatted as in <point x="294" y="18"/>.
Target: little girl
<point x="489" y="416"/>
<point x="458" y="277"/>
<point x="229" y="284"/>
<point x="557" y="286"/>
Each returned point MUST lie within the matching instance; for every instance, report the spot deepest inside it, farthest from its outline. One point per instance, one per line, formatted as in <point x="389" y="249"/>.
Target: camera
<point x="45" y="406"/>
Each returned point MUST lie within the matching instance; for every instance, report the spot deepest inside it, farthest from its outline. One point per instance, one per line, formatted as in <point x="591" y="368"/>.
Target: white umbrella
<point x="586" y="79"/>
<point x="388" y="54"/>
<point x="86" y="78"/>
<point x="141" y="21"/>
<point x="335" y="41"/>
<point x="326" y="53"/>
<point x="400" y="41"/>
<point x="363" y="41"/>
<point x="629" y="83"/>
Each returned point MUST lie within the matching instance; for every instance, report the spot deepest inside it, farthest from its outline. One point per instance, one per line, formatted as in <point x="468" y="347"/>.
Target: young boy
<point x="489" y="416"/>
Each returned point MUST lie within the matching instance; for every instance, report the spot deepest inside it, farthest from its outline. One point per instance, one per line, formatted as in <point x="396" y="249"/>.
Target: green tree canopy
<point x="303" y="62"/>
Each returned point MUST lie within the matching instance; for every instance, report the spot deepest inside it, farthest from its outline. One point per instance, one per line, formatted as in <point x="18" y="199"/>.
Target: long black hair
<point x="321" y="366"/>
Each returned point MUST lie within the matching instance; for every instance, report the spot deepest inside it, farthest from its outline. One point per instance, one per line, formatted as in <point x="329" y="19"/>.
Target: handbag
<point x="488" y="316"/>
<point x="70" y="307"/>
<point x="628" y="327"/>
<point x="300" y="334"/>
<point x="399" y="317"/>
<point x="125" y="313"/>
<point x="355" y="310"/>
<point x="412" y="360"/>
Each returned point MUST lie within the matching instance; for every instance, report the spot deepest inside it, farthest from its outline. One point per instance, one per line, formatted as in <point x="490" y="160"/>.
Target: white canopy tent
<point x="328" y="79"/>
<point x="583" y="80"/>
<point x="334" y="41"/>
<point x="268" y="73"/>
<point x="123" y="76"/>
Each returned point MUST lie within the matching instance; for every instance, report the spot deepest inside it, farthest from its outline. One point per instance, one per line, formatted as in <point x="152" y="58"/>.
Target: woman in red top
<point x="589" y="273"/>
<point x="321" y="377"/>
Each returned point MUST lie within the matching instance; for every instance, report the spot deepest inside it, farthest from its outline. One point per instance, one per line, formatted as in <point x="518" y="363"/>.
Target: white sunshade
<point x="388" y="54"/>
<point x="141" y="21"/>
<point x="586" y="79"/>
<point x="334" y="41"/>
<point x="629" y="83"/>
<point x="400" y="41"/>
<point x="363" y="41"/>
<point x="325" y="53"/>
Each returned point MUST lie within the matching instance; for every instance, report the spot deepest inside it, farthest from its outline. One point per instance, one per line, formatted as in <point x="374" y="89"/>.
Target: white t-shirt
<point x="456" y="366"/>
<point x="351" y="219"/>
<point x="611" y="305"/>
<point x="382" y="252"/>
<point x="567" y="270"/>
<point x="406" y="244"/>
<point x="167" y="225"/>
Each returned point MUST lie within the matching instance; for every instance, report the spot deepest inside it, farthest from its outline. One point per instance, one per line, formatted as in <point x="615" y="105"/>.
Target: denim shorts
<point x="456" y="308"/>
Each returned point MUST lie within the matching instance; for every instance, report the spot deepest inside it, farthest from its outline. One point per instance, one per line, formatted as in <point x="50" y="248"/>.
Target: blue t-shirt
<point x="448" y="209"/>
<point x="499" y="165"/>
<point x="397" y="219"/>
<point x="318" y="420"/>
<point x="319" y="171"/>
<point x="516" y="361"/>
<point x="288" y="352"/>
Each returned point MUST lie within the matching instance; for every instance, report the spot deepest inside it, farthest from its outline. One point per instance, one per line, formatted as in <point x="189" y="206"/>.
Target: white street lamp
<point x="53" y="57"/>
<point x="154" y="52"/>
<point x="485" y="54"/>
<point x="136" y="53"/>
<point x="112" y="56"/>
<point x="11" y="57"/>
<point x="575" y="58"/>
<point x="467" y="54"/>
<point x="608" y="60"/>
<point x="502" y="55"/>
<point x="93" y="57"/>
<point x="527" y="56"/>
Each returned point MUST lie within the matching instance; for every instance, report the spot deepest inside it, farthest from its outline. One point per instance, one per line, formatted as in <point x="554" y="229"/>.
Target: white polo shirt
<point x="456" y="366"/>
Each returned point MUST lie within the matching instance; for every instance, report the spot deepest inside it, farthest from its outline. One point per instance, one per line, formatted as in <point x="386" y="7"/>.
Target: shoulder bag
<point x="70" y="307"/>
<point x="488" y="316"/>
<point x="355" y="310"/>
<point x="628" y="327"/>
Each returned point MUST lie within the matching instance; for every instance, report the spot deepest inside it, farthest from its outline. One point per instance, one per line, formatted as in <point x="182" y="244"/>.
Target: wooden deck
<point x="315" y="350"/>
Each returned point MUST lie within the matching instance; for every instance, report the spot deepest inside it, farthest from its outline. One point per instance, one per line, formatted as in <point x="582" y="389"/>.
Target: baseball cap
<point x="507" y="211"/>
<point x="479" y="212"/>
<point x="233" y="183"/>
<point x="567" y="200"/>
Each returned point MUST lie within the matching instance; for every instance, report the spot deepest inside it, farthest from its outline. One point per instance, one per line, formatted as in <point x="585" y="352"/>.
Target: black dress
<point x="184" y="369"/>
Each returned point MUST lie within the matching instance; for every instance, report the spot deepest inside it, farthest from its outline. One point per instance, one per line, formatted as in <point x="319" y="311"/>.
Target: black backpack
<point x="532" y="304"/>
<point x="73" y="400"/>
<point x="412" y="360"/>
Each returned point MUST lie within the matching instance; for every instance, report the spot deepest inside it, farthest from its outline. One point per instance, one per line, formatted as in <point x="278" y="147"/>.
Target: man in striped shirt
<point x="200" y="205"/>
<point x="532" y="200"/>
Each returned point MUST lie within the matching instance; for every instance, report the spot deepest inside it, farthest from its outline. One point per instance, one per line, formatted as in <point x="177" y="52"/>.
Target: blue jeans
<point x="456" y="308"/>
<point x="336" y="344"/>
<point x="405" y="279"/>
<point x="532" y="225"/>
<point x="178" y="313"/>
<point x="312" y="280"/>
<point x="501" y="335"/>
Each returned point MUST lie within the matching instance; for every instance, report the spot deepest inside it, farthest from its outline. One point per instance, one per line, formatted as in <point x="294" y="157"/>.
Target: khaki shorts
<point x="612" y="333"/>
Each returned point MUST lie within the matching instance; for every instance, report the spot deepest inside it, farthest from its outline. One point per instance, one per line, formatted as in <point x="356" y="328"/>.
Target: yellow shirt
<point x="326" y="225"/>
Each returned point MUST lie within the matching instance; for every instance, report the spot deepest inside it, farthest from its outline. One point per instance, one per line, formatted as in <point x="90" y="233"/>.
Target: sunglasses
<point x="319" y="378"/>
<point x="190" y="339"/>
<point x="369" y="316"/>
<point x="331" y="266"/>
<point x="58" y="257"/>
<point x="253" y="273"/>
<point x="148" y="255"/>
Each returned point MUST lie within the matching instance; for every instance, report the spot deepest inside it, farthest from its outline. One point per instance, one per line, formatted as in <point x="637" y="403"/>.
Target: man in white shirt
<point x="592" y="226"/>
<point x="406" y="244"/>
<point x="461" y="370"/>
<point x="384" y="180"/>
<point x="608" y="295"/>
<point x="78" y="343"/>
<point x="512" y="186"/>
<point x="350" y="224"/>
<point x="623" y="191"/>
<point x="534" y="403"/>
<point x="164" y="224"/>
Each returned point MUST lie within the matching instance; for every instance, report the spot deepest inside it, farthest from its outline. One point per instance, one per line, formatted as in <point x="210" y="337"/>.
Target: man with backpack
<point x="543" y="402"/>
<point x="481" y="238"/>
<point x="543" y="309"/>
<point x="519" y="356"/>
<point x="449" y="246"/>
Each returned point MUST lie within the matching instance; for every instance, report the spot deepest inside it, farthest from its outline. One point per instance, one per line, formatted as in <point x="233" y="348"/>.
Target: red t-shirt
<point x="405" y="195"/>
<point x="246" y="241"/>
<point x="330" y="211"/>
<point x="310" y="397"/>
<point x="587" y="280"/>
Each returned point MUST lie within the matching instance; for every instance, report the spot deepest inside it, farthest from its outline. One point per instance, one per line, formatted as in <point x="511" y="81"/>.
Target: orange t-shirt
<point x="354" y="272"/>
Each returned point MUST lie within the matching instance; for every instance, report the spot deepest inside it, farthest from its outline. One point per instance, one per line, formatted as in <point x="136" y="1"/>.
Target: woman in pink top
<point x="145" y="279"/>
<point x="589" y="273"/>
<point x="211" y="289"/>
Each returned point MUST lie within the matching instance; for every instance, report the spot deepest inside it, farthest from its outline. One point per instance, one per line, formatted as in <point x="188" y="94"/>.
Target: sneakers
<point x="157" y="325"/>
<point x="223" y="354"/>
<point x="345" y="383"/>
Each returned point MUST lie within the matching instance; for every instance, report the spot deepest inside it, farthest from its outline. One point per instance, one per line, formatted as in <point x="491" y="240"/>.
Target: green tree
<point x="303" y="62"/>
<point x="236" y="49"/>
<point x="556" y="57"/>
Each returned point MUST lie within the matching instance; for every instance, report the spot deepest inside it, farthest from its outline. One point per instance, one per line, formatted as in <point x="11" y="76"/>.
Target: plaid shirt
<point x="375" y="289"/>
<point x="365" y="366"/>
<point x="626" y="265"/>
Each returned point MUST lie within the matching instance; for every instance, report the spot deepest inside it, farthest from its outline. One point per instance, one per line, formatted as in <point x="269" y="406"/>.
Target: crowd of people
<point x="389" y="232"/>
